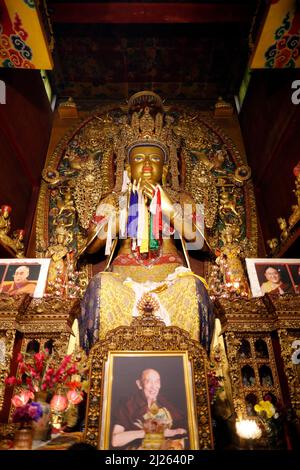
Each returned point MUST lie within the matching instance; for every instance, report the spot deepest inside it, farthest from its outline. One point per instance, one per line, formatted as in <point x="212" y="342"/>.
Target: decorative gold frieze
<point x="251" y="321"/>
<point x="292" y="372"/>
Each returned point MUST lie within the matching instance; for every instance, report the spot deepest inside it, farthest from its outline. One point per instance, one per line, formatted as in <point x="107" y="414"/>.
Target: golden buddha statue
<point x="57" y="252"/>
<point x="5" y="219"/>
<point x="148" y="214"/>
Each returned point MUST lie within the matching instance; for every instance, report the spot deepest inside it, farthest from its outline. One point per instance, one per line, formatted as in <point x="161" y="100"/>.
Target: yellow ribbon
<point x="144" y="248"/>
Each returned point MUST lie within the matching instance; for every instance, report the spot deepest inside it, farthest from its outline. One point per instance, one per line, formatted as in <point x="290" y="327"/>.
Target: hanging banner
<point x="279" y="42"/>
<point x="23" y="42"/>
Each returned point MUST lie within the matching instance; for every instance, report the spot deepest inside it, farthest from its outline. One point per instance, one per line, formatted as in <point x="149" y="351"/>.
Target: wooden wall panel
<point x="25" y="126"/>
<point x="270" y="124"/>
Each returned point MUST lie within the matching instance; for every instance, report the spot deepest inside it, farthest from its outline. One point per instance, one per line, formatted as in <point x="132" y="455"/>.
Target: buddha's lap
<point x="179" y="299"/>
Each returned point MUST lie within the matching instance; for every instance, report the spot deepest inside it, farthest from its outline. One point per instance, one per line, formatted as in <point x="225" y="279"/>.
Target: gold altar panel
<point x="148" y="335"/>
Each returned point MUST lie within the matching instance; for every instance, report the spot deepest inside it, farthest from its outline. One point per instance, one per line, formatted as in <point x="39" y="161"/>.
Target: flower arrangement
<point x="38" y="373"/>
<point x="215" y="385"/>
<point x="43" y="372"/>
<point x="27" y="413"/>
<point x="271" y="421"/>
<point x="266" y="410"/>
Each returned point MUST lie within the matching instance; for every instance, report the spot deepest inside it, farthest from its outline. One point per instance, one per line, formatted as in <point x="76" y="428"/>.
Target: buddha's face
<point x="146" y="163"/>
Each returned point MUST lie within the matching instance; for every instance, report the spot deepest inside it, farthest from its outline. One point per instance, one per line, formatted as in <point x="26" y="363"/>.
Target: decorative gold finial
<point x="147" y="305"/>
<point x="67" y="109"/>
<point x="145" y="98"/>
<point x="222" y="108"/>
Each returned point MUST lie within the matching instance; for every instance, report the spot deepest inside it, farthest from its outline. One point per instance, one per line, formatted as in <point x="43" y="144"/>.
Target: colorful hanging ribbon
<point x="155" y="220"/>
<point x="133" y="214"/>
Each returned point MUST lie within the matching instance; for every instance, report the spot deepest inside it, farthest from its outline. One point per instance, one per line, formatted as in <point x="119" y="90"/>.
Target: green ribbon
<point x="153" y="243"/>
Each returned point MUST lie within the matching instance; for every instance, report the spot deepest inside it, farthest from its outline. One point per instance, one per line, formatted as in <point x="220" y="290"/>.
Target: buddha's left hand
<point x="166" y="204"/>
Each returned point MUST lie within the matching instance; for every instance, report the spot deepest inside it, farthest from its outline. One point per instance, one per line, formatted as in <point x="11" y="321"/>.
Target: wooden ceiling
<point x="182" y="50"/>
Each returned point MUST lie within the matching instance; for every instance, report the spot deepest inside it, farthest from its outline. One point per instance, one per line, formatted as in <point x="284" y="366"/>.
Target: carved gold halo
<point x="107" y="131"/>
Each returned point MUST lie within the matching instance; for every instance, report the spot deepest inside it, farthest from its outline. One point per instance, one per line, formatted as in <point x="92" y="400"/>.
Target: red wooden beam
<point x="120" y="13"/>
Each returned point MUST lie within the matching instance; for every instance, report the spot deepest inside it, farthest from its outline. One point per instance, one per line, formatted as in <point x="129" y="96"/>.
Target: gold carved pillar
<point x="261" y="336"/>
<point x="48" y="319"/>
<point x="288" y="314"/>
<point x="247" y="327"/>
<point x="10" y="309"/>
<point x="292" y="371"/>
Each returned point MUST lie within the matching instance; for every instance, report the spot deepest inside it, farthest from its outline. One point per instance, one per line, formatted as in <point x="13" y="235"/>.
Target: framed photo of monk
<point x="24" y="276"/>
<point x="276" y="276"/>
<point x="149" y="402"/>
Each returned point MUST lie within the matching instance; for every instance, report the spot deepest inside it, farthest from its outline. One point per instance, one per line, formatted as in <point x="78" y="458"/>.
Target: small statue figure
<point x="230" y="264"/>
<point x="57" y="253"/>
<point x="14" y="243"/>
<point x="273" y="243"/>
<point x="66" y="205"/>
<point x="283" y="227"/>
<point x="228" y="204"/>
<point x="5" y="220"/>
<point x="18" y="238"/>
<point x="295" y="216"/>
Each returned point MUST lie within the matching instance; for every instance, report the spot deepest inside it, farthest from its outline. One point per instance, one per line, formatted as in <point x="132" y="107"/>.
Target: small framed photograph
<point x="275" y="276"/>
<point x="24" y="276"/>
<point x="148" y="402"/>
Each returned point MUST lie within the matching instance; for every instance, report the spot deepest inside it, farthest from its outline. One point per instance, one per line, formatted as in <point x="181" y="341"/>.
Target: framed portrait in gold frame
<point x="274" y="276"/>
<point x="149" y="402"/>
<point x="24" y="276"/>
<point x="148" y="390"/>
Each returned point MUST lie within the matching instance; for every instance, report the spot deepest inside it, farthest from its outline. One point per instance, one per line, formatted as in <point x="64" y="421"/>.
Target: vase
<point x="42" y="428"/>
<point x="23" y="439"/>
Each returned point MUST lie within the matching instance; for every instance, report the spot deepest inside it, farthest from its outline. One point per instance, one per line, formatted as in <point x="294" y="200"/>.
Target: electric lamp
<point x="248" y="429"/>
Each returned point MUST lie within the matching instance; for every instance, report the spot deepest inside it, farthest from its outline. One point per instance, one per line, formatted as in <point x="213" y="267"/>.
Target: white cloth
<point x="109" y="236"/>
<point x="141" y="288"/>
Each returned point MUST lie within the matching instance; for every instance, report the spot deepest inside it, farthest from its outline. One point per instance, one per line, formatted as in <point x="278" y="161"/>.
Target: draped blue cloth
<point x="89" y="319"/>
<point x="206" y="315"/>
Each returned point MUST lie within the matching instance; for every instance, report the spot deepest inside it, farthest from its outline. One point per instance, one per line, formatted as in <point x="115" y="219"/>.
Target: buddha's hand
<point x="174" y="432"/>
<point x="148" y="190"/>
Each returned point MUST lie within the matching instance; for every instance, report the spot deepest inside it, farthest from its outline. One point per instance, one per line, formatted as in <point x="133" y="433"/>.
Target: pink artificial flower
<point x="22" y="399"/>
<point x="58" y="403"/>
